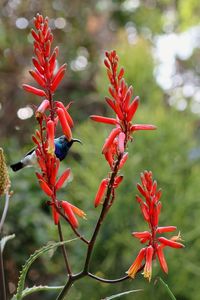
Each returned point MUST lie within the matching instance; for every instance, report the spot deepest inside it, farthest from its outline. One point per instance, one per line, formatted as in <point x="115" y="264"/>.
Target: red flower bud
<point x="34" y="90"/>
<point x="51" y="136"/>
<point x="58" y="77"/>
<point x="121" y="140"/>
<point x="69" y="213"/>
<point x="104" y="120"/>
<point x="100" y="192"/>
<point x="170" y="243"/>
<point x="63" y="178"/>
<point x="161" y="258"/>
<point x="42" y="108"/>
<point x="136" y="127"/>
<point x="67" y="115"/>
<point x="110" y="139"/>
<point x="65" y="126"/>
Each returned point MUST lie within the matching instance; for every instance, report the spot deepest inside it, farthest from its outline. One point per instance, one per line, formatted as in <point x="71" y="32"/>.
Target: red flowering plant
<point x="49" y="115"/>
<point x="151" y="208"/>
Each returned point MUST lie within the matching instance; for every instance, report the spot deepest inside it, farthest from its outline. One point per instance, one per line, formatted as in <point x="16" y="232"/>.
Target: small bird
<point x="62" y="146"/>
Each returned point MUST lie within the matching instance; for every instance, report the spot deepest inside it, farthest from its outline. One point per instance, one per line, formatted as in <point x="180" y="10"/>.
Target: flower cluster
<point x="124" y="107"/>
<point x="150" y="208"/>
<point x="50" y="113"/>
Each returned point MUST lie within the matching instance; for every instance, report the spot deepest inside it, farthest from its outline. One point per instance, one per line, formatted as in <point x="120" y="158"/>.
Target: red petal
<point x="38" y="78"/>
<point x="38" y="66"/>
<point x="127" y="98"/>
<point x="118" y="180"/>
<point x="56" y="215"/>
<point x="42" y="108"/>
<point x="51" y="136"/>
<point x="141" y="235"/>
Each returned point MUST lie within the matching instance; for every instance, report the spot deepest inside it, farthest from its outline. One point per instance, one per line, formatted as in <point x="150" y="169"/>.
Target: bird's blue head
<point x="62" y="146"/>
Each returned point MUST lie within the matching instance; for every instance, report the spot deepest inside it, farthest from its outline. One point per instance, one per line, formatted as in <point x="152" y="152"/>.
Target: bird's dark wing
<point x="30" y="152"/>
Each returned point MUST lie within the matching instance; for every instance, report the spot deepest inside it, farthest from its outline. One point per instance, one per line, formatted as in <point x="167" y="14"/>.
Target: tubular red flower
<point x="67" y="115"/>
<point x="45" y="188"/>
<point x="69" y="213"/>
<point x="104" y="120"/>
<point x="38" y="66"/>
<point x="58" y="77"/>
<point x="148" y="264"/>
<point x="65" y="126"/>
<point x="110" y="139"/>
<point x="165" y="229"/>
<point x="132" y="271"/>
<point x="63" y="178"/>
<point x="78" y="211"/>
<point x="137" y="127"/>
<point x="38" y="78"/>
<point x="127" y="98"/>
<point x="170" y="243"/>
<point x="141" y="235"/>
<point x="34" y="90"/>
<point x="100" y="192"/>
<point x="161" y="258"/>
<point x="132" y="109"/>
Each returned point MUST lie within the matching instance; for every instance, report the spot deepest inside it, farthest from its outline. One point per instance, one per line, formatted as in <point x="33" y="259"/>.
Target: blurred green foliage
<point x="93" y="26"/>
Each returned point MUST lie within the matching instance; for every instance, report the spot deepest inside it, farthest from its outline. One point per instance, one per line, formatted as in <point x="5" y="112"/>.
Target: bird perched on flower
<point x="62" y="146"/>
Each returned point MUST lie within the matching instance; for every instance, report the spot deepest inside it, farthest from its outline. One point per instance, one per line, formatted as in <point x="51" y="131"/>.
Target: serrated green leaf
<point x="31" y="259"/>
<point x="122" y="294"/>
<point x="5" y="239"/>
<point x="40" y="288"/>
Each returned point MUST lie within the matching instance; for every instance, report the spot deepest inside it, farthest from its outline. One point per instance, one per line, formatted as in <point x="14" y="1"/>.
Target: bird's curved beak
<point x="77" y="140"/>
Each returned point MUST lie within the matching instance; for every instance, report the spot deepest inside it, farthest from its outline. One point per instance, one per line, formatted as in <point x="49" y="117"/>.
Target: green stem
<point x="167" y="289"/>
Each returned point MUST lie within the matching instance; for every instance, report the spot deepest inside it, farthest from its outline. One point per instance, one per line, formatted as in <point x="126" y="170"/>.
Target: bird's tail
<point x="15" y="167"/>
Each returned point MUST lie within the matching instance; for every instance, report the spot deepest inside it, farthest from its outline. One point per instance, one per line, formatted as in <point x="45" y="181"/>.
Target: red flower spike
<point x="69" y="213"/>
<point x="104" y="120"/>
<point x="51" y="135"/>
<point x="67" y="115"/>
<point x="45" y="188"/>
<point x="170" y="243"/>
<point x="34" y="90"/>
<point x="63" y="178"/>
<point x="150" y="208"/>
<point x="65" y="126"/>
<point x="100" y="192"/>
<point x="132" y="271"/>
<point x="121" y="141"/>
<point x="165" y="229"/>
<point x="161" y="258"/>
<point x="110" y="139"/>
<point x="148" y="265"/>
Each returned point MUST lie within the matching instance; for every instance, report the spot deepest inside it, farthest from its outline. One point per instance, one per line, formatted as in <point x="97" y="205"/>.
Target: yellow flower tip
<point x="130" y="274"/>
<point x="4" y="177"/>
<point x="147" y="275"/>
<point x="50" y="151"/>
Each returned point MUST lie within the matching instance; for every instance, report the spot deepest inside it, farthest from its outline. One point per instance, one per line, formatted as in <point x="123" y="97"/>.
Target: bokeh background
<point x="159" y="45"/>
